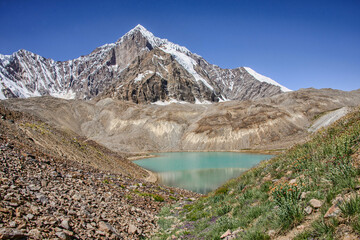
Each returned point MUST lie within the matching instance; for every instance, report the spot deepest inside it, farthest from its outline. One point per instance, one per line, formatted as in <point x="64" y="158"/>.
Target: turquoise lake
<point x="200" y="172"/>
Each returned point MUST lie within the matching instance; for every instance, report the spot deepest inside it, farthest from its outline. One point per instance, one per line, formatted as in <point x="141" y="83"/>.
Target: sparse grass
<point x="255" y="235"/>
<point x="323" y="167"/>
<point x="351" y="207"/>
<point x="356" y="224"/>
<point x="37" y="126"/>
<point x="173" y="198"/>
<point x="325" y="229"/>
<point x="157" y="198"/>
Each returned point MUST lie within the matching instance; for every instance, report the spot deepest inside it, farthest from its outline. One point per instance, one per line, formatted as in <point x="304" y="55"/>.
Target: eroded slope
<point x="269" y="123"/>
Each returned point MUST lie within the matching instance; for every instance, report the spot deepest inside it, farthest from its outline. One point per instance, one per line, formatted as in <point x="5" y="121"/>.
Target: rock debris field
<point x="48" y="198"/>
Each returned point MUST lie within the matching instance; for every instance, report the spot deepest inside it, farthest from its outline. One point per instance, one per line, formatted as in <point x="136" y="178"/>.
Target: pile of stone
<point x="46" y="197"/>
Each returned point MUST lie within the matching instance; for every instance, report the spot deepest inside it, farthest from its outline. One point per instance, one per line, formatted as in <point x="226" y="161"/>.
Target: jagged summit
<point x="142" y="29"/>
<point x="153" y="40"/>
<point x="138" y="67"/>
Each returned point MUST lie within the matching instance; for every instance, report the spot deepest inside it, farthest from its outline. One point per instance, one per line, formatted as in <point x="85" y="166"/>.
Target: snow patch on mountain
<point x="163" y="103"/>
<point x="65" y="95"/>
<point x="262" y="78"/>
<point x="187" y="62"/>
<point x="18" y="89"/>
<point x="141" y="76"/>
<point x="5" y="59"/>
<point x="197" y="101"/>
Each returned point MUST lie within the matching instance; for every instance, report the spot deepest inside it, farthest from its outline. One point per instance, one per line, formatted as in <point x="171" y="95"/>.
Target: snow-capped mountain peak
<point x="153" y="40"/>
<point x="138" y="67"/>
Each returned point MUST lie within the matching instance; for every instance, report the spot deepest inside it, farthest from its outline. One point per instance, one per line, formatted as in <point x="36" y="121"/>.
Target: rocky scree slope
<point x="139" y="67"/>
<point x="270" y="123"/>
<point x="51" y="193"/>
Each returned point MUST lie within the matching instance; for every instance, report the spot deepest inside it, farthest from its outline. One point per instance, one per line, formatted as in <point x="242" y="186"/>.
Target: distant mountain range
<point x="139" y="67"/>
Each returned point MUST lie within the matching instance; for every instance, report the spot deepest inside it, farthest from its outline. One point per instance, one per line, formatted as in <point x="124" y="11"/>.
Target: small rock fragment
<point x="292" y="181"/>
<point x="315" y="203"/>
<point x="271" y="233"/>
<point x="65" y="224"/>
<point x="132" y="229"/>
<point x="35" y="233"/>
<point x="303" y="195"/>
<point x="62" y="235"/>
<point x="106" y="227"/>
<point x="308" y="210"/>
<point x="225" y="234"/>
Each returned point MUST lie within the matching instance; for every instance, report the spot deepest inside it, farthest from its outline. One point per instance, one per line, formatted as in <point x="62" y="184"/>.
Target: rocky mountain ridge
<point x="139" y="67"/>
<point x="269" y="123"/>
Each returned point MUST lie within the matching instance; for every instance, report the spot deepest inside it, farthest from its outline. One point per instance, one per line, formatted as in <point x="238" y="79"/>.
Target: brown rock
<point x="65" y="224"/>
<point x="132" y="229"/>
<point x="267" y="178"/>
<point x="225" y="234"/>
<point x="339" y="199"/>
<point x="106" y="227"/>
<point x="315" y="203"/>
<point x="303" y="195"/>
<point x="63" y="235"/>
<point x="308" y="210"/>
<point x="35" y="233"/>
<point x="12" y="224"/>
<point x="271" y="233"/>
<point x="300" y="227"/>
<point x="11" y="233"/>
<point x="333" y="211"/>
<point x="351" y="237"/>
<point x="292" y="181"/>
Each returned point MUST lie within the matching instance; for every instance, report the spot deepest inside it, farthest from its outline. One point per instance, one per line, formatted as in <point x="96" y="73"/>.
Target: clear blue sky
<point x="298" y="43"/>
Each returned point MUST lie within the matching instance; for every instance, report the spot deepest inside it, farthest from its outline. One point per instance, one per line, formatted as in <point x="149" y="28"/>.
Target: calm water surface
<point x="200" y="172"/>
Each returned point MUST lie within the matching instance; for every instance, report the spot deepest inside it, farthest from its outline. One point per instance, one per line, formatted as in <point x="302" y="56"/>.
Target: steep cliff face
<point x="139" y="67"/>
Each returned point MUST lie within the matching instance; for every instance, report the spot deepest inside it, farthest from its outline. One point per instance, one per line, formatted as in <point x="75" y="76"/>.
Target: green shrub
<point x="221" y="190"/>
<point x="287" y="197"/>
<point x="217" y="198"/>
<point x="223" y="210"/>
<point x="158" y="198"/>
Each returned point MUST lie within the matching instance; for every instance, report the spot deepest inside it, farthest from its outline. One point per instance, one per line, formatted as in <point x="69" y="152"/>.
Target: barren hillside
<point x="269" y="123"/>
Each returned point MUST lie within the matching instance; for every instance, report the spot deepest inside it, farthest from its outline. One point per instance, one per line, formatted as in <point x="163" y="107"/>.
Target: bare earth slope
<point x="268" y="123"/>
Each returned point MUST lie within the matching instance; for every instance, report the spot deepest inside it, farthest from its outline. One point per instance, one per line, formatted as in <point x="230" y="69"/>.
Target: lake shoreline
<point x="174" y="169"/>
<point x="152" y="154"/>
